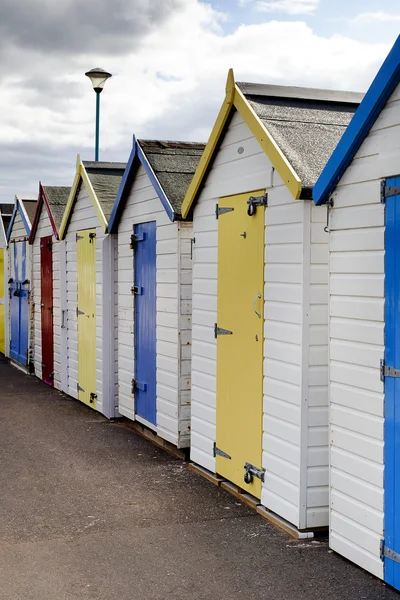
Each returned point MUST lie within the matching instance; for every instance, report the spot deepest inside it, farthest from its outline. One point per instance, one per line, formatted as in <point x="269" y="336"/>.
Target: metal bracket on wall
<point x="222" y="211"/>
<point x="387" y="371"/>
<point x="219" y="331"/>
<point x="386" y="552"/>
<point x="218" y="452"/>
<point x="387" y="191"/>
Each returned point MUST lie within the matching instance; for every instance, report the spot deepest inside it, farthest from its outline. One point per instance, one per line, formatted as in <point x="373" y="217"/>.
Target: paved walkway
<point x="91" y="511"/>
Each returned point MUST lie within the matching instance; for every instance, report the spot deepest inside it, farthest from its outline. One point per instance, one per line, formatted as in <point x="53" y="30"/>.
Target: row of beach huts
<point x="239" y="298"/>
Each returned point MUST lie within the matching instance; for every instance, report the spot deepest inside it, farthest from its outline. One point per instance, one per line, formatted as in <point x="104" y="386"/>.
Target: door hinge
<point x="252" y="471"/>
<point x="255" y="201"/>
<point x="140" y="385"/>
<point x="137" y="290"/>
<point x="137" y="237"/>
<point x="387" y="191"/>
<point x="79" y="237"/>
<point x="218" y="452"/>
<point x="219" y="331"/>
<point x="221" y="211"/>
<point x="79" y="312"/>
<point x="386" y="552"/>
<point x="388" y="371"/>
<point x="79" y="388"/>
<point x="92" y="397"/>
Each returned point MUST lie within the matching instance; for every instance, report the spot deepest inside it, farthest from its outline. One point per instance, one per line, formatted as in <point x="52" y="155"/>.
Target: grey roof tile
<point x="57" y="197"/>
<point x="105" y="178"/>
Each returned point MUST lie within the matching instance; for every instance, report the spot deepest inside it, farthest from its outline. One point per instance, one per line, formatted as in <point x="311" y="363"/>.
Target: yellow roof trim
<point x="81" y="174"/>
<point x="268" y="144"/>
<point x="234" y="97"/>
<point x="211" y="145"/>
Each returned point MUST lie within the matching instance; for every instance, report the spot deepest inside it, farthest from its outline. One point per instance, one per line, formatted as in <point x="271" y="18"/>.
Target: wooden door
<point x="144" y="383"/>
<point x="19" y="298"/>
<point x="86" y="316"/>
<point x="2" y="300"/>
<point x="240" y="342"/>
<point x="46" y="308"/>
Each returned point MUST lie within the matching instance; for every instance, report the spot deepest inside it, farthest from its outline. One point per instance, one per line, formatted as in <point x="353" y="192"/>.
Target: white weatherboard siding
<point x="357" y="344"/>
<point x="45" y="229"/>
<point x="295" y="392"/>
<point x="84" y="217"/>
<point x="173" y="343"/>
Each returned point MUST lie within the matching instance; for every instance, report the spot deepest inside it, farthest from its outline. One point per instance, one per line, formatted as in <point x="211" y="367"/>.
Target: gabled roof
<point x="170" y="167"/>
<point x="55" y="199"/>
<point x="102" y="181"/>
<point x="370" y="108"/>
<point x="3" y="229"/>
<point x="26" y="207"/>
<point x="297" y="128"/>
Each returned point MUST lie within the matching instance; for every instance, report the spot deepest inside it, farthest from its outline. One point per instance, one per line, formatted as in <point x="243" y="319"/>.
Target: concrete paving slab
<point x="90" y="510"/>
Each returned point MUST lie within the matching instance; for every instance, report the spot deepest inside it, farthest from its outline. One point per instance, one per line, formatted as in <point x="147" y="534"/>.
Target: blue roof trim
<point x="123" y="189"/>
<point x="365" y="116"/>
<point x="156" y="184"/>
<point x="137" y="153"/>
<point x="17" y="208"/>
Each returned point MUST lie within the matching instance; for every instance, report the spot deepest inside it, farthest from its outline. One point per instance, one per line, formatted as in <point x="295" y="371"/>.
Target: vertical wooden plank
<point x="46" y="308"/>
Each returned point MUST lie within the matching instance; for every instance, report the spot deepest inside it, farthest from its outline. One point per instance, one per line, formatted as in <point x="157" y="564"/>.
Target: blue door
<point x="144" y="383"/>
<point x="19" y="294"/>
<point x="391" y="547"/>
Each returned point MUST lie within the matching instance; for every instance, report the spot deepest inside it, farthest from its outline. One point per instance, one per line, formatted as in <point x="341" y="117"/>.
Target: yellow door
<point x="2" y="299"/>
<point x="86" y="313"/>
<point x="240" y="353"/>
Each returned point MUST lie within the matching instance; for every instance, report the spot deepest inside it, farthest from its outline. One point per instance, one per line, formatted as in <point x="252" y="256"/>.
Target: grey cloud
<point x="79" y="26"/>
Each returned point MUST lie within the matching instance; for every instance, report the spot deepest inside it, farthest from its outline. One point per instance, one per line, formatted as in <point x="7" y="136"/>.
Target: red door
<point x="46" y="278"/>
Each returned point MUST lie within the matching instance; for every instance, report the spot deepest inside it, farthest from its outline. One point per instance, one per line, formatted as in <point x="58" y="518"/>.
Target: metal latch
<point x="219" y="331"/>
<point x="137" y="237"/>
<point x="222" y="211"/>
<point x="91" y="237"/>
<point x="255" y="201"/>
<point x="386" y="552"/>
<point x="137" y="290"/>
<point x="387" y="191"/>
<point x="252" y="471"/>
<point x="92" y="397"/>
<point x="218" y="452"/>
<point x="387" y="371"/>
<point x="139" y="385"/>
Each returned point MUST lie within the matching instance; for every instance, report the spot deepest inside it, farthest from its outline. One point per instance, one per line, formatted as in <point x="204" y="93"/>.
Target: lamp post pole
<point x="96" y="150"/>
<point x="98" y="78"/>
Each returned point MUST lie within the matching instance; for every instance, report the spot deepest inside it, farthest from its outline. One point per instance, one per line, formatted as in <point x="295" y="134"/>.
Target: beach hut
<point x="19" y="269"/>
<point x="4" y="222"/>
<point x="88" y="339"/>
<point x="154" y="287"/>
<point x="45" y="284"/>
<point x="360" y="187"/>
<point x="260" y="298"/>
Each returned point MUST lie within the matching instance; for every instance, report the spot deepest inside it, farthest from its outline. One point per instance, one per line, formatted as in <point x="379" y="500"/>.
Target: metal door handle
<point x="254" y="305"/>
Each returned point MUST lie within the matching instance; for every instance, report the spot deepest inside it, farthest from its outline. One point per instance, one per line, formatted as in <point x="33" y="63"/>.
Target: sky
<point x="169" y="60"/>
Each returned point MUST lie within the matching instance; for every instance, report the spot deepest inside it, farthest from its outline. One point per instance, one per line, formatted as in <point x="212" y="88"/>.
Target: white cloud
<point x="289" y="7"/>
<point x="376" y="17"/>
<point x="170" y="85"/>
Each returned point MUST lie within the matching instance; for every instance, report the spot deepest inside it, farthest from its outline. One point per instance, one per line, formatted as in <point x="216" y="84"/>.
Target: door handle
<point x="254" y="305"/>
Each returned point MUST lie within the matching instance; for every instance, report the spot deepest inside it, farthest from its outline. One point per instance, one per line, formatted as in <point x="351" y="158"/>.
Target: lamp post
<point x="98" y="77"/>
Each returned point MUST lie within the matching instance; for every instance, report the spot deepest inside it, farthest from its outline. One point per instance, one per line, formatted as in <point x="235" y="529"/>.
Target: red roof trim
<point x="42" y="198"/>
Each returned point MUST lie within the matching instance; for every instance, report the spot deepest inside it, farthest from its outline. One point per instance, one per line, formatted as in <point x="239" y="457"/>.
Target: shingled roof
<point x="305" y="123"/>
<point x="174" y="164"/>
<point x="105" y="178"/>
<point x="57" y="198"/>
<point x="30" y="207"/>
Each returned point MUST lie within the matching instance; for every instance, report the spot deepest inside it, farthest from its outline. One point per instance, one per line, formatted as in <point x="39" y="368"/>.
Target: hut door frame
<point x="46" y="308"/>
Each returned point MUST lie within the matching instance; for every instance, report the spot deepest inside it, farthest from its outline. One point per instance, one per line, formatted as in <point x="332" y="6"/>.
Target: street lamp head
<point x="98" y="78"/>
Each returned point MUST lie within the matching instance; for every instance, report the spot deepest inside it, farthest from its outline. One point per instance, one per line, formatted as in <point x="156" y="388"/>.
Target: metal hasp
<point x="92" y="236"/>
<point x="255" y="201"/>
<point x="218" y="452"/>
<point x="92" y="397"/>
<point x="388" y="190"/>
<point x="389" y="553"/>
<point x="137" y="290"/>
<point x="252" y="471"/>
<point x="387" y="371"/>
<point x="136" y="237"/>
<point x="219" y="331"/>
<point x="140" y="385"/>
<point x="222" y="211"/>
